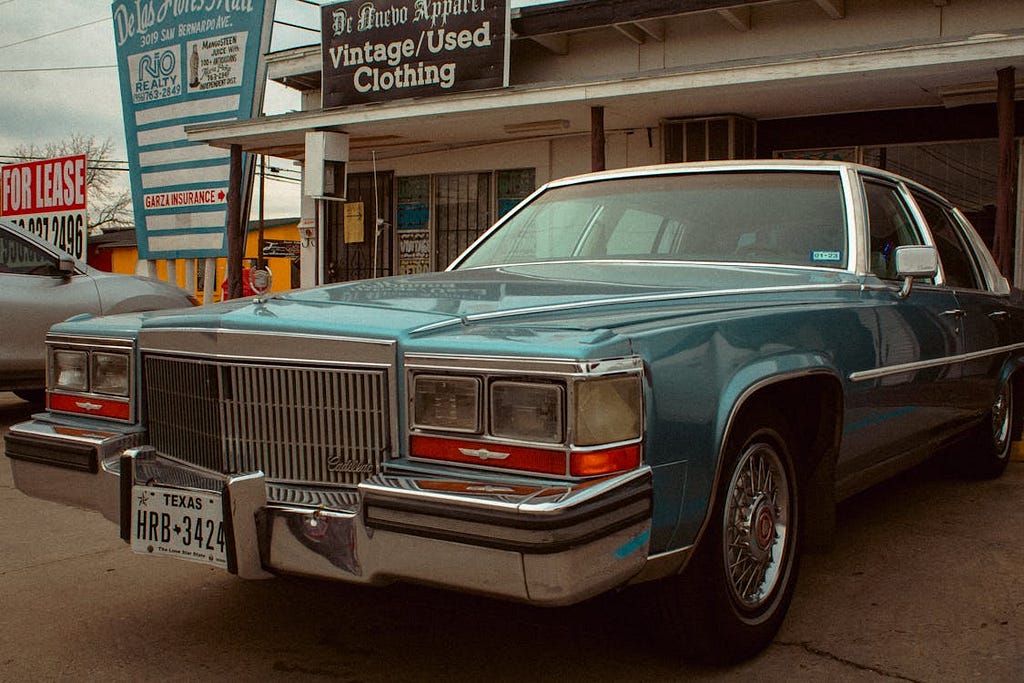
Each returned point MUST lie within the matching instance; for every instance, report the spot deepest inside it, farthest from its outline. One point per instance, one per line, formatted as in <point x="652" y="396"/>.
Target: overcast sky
<point x="58" y="76"/>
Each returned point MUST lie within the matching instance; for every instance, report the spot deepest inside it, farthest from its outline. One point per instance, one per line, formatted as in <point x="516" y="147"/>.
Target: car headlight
<point x="109" y="373"/>
<point x="568" y="425"/>
<point x="527" y="411"/>
<point x="608" y="410"/>
<point x="71" y="370"/>
<point x="448" y="403"/>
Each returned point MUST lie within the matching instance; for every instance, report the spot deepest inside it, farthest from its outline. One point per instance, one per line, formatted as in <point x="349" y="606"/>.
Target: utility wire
<point x="38" y="158"/>
<point x="102" y="66"/>
<point x="54" y="33"/>
<point x="298" y="26"/>
<point x="58" y="68"/>
<point x="286" y="175"/>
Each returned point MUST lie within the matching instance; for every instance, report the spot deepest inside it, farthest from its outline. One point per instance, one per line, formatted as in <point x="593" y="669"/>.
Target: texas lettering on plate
<point x="184" y="524"/>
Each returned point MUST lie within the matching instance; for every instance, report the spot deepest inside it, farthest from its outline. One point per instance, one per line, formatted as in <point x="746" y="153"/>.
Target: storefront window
<point x="722" y="137"/>
<point x="963" y="172"/>
<point x="462" y="211"/>
<point x="513" y="187"/>
<point x="414" y="225"/>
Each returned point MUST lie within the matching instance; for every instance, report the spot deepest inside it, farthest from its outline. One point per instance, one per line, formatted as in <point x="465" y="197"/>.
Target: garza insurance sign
<point x="47" y="198"/>
<point x="392" y="49"/>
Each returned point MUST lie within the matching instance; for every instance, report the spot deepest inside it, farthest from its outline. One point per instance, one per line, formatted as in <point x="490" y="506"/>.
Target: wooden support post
<point x="597" y="139"/>
<point x="1006" y="200"/>
<point x="235" y="225"/>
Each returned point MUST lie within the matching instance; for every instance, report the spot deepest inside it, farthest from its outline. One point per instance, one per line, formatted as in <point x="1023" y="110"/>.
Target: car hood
<point x="589" y="299"/>
<point x="128" y="293"/>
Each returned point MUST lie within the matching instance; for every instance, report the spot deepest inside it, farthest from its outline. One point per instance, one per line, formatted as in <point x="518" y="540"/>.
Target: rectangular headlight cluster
<point x="608" y="410"/>
<point x="446" y="403"/>
<point x="605" y="410"/>
<point x="528" y="411"/>
<point x="97" y="372"/>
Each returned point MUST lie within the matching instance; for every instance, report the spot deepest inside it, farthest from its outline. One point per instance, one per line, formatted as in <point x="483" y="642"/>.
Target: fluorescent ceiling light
<point x="549" y="126"/>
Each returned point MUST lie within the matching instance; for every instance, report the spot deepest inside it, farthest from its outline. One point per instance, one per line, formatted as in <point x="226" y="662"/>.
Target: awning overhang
<point x="886" y="77"/>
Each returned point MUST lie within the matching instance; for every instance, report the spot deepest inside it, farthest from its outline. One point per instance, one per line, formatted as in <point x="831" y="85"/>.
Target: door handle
<point x="999" y="315"/>
<point x="955" y="313"/>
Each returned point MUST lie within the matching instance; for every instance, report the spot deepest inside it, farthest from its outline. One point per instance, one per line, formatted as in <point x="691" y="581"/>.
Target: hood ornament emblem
<point x="260" y="279"/>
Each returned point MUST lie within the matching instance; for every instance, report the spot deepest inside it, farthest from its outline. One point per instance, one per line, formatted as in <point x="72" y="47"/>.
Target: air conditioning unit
<point x="324" y="169"/>
<point x="709" y="138"/>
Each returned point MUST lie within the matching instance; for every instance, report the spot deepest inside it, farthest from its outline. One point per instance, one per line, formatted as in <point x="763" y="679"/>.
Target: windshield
<point x="784" y="217"/>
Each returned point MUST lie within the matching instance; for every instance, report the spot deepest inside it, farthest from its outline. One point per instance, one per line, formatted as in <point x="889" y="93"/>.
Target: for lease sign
<point x="48" y="198"/>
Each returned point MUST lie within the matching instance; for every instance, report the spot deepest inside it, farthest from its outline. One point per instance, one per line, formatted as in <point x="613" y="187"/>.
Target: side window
<point x="891" y="225"/>
<point x="20" y="257"/>
<point x="958" y="264"/>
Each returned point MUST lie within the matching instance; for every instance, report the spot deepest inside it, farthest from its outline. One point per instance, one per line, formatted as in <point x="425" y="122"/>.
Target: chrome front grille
<point x="295" y="423"/>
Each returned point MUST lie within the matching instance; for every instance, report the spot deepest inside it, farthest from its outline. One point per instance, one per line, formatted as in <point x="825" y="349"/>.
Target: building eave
<point x="416" y="120"/>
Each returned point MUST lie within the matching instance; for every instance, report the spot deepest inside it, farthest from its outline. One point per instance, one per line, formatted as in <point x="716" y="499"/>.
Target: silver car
<point x="41" y="285"/>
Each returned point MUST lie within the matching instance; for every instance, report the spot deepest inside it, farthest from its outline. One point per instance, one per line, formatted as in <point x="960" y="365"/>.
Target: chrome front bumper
<point x="546" y="544"/>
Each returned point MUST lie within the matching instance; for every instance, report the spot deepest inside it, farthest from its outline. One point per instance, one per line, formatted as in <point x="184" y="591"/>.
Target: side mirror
<point x="915" y="262"/>
<point x="66" y="266"/>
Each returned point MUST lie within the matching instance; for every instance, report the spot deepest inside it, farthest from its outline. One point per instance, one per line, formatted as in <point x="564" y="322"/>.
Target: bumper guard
<point x="542" y="543"/>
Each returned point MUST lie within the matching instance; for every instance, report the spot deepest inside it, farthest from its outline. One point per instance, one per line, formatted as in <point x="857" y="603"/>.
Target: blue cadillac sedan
<point x="664" y="375"/>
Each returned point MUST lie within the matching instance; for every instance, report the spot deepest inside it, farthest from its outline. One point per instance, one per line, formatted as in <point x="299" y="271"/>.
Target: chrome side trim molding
<point x="519" y="365"/>
<point x="90" y="341"/>
<point x="645" y="298"/>
<point x="663" y="565"/>
<point x="251" y="345"/>
<point x="864" y="375"/>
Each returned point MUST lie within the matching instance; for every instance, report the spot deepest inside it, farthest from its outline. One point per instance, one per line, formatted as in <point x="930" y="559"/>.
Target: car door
<point x="988" y="323"/>
<point x="906" y="401"/>
<point x="34" y="294"/>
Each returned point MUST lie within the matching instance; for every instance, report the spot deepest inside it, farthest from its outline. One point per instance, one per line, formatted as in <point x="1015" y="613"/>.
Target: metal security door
<point x="462" y="205"/>
<point x="353" y="237"/>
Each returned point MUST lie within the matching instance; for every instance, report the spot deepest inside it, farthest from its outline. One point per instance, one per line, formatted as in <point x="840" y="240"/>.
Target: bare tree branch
<point x="109" y="206"/>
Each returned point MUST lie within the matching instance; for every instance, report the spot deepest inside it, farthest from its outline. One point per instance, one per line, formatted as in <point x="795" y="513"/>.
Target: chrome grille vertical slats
<point x="192" y="420"/>
<point x="345" y="419"/>
<point x="290" y="436"/>
<point x="298" y="424"/>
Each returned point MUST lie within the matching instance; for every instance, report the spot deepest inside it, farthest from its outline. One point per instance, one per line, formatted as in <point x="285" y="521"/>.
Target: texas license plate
<point x="185" y="524"/>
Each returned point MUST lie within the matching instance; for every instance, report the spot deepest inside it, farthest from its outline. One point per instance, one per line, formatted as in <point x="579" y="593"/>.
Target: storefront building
<point x="922" y="87"/>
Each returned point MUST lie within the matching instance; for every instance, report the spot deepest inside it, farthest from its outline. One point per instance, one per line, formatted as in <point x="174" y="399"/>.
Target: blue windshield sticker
<point x="830" y="256"/>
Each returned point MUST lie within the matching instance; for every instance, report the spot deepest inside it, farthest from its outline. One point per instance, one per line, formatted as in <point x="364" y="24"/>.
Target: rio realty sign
<point x="48" y="198"/>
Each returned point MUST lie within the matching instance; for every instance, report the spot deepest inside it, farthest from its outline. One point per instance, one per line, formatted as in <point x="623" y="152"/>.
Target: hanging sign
<point x="185" y="62"/>
<point x="48" y="198"/>
<point x="354" y="221"/>
<point x="391" y="49"/>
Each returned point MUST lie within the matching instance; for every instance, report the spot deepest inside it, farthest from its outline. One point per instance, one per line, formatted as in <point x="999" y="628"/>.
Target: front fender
<point x="749" y="383"/>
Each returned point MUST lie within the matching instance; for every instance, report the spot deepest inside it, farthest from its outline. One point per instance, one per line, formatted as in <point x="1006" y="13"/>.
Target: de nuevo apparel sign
<point x="391" y="49"/>
<point x="183" y="62"/>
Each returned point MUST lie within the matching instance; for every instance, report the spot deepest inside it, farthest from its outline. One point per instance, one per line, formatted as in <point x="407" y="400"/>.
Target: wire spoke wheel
<point x="1001" y="419"/>
<point x="985" y="452"/>
<point x="733" y="595"/>
<point x="756" y="525"/>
